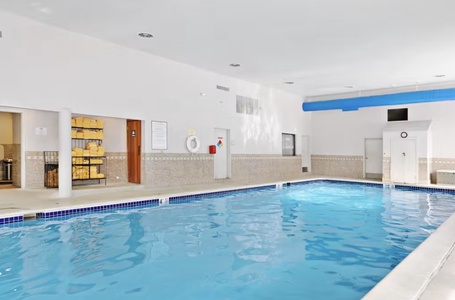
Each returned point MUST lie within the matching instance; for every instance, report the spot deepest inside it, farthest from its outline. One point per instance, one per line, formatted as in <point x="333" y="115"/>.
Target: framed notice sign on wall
<point x="159" y="135"/>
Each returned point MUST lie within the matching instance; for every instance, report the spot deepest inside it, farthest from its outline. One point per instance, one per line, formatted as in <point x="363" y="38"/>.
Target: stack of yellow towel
<point x="87" y="134"/>
<point x="99" y="135"/>
<point x="77" y="152"/>
<point x="91" y="150"/>
<point x="87" y="123"/>
<point x="77" y="122"/>
<point x="80" y="172"/>
<point x="100" y="151"/>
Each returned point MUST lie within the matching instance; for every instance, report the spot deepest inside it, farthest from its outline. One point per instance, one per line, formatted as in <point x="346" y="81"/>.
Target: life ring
<point x="192" y="143"/>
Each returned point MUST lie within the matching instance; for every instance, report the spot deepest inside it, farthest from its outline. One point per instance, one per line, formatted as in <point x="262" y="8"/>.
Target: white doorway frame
<point x="23" y="122"/>
<point x="365" y="156"/>
<point x="306" y="147"/>
<point x="228" y="149"/>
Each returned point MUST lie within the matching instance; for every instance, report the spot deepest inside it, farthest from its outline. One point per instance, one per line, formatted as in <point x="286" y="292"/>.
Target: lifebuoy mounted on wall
<point x="192" y="143"/>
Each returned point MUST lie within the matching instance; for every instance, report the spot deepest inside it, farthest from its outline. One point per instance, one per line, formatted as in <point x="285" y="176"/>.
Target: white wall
<point x="343" y="133"/>
<point x="48" y="68"/>
<point x="34" y="138"/>
<point x="6" y="128"/>
<point x="114" y="134"/>
<point x="442" y="127"/>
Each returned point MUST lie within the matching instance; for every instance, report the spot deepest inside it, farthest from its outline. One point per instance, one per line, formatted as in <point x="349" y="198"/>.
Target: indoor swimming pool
<point x="315" y="240"/>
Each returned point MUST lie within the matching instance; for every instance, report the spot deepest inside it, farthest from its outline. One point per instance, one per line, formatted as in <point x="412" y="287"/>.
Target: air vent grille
<point x="223" y="88"/>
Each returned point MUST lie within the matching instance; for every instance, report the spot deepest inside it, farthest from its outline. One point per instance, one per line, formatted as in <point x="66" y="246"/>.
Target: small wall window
<point x="400" y="114"/>
<point x="288" y="144"/>
<point x="246" y="105"/>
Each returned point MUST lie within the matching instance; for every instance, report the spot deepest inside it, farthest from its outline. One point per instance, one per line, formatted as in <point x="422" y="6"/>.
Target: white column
<point x="64" y="155"/>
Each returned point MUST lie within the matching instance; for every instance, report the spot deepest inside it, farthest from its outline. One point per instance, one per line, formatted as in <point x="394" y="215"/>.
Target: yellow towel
<point x="79" y="151"/>
<point x="91" y="145"/>
<point x="99" y="124"/>
<point x="100" y="151"/>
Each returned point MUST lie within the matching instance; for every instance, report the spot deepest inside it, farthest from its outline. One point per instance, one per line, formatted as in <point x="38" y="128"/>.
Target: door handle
<point x="139" y="150"/>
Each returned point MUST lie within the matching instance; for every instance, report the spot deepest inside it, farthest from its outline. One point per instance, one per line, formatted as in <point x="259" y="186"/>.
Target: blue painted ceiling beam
<point x="381" y="100"/>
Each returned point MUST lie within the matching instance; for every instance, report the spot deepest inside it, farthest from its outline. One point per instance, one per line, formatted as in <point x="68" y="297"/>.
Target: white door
<point x="373" y="158"/>
<point x="306" y="158"/>
<point x="404" y="167"/>
<point x="221" y="159"/>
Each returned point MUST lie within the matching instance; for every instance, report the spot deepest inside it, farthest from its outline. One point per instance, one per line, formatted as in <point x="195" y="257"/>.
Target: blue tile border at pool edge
<point x="188" y="198"/>
<point x="9" y="220"/>
<point x="218" y="193"/>
<point x="99" y="208"/>
<point x="381" y="184"/>
<point x="425" y="189"/>
<point x="375" y="184"/>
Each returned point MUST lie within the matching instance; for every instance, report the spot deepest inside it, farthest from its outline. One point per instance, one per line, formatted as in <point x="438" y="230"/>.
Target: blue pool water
<point x="314" y="241"/>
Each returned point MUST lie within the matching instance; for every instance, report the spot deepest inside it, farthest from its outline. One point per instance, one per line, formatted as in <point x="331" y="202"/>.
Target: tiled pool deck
<point x="427" y="273"/>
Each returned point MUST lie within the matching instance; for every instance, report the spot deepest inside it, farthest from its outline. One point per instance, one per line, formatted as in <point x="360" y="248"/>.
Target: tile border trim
<point x="190" y="197"/>
<point x="9" y="220"/>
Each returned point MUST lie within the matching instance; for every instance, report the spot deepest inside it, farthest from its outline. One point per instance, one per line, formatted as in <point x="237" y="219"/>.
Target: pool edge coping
<point x="410" y="278"/>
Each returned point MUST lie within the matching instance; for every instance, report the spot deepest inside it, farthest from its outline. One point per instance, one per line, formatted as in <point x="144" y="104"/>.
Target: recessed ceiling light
<point x="234" y="65"/>
<point x="289" y="82"/>
<point x="349" y="86"/>
<point x="439" y="75"/>
<point x="202" y="94"/>
<point x="145" y="35"/>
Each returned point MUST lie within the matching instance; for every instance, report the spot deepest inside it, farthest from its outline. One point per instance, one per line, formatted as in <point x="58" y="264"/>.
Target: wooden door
<point x="134" y="141"/>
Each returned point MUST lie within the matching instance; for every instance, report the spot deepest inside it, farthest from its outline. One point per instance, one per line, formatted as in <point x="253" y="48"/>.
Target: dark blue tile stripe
<point x="193" y="197"/>
<point x="425" y="189"/>
<point x="375" y="184"/>
<point x="9" y="220"/>
<point x="180" y="199"/>
<point x="100" y="208"/>
<point x="381" y="184"/>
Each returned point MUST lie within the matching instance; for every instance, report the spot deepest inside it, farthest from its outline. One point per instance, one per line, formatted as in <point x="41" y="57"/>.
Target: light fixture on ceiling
<point x="145" y="35"/>
<point x="440" y="75"/>
<point x="202" y="94"/>
<point x="234" y="65"/>
<point x="349" y="86"/>
<point x="288" y="82"/>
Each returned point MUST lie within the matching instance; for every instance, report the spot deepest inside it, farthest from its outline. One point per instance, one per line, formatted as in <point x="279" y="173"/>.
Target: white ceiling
<point x="321" y="45"/>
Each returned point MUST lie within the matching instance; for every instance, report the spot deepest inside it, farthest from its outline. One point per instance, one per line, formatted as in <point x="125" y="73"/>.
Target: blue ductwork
<point x="381" y="100"/>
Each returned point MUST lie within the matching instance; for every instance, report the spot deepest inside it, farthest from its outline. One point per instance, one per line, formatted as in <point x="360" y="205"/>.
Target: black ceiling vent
<point x="223" y="88"/>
